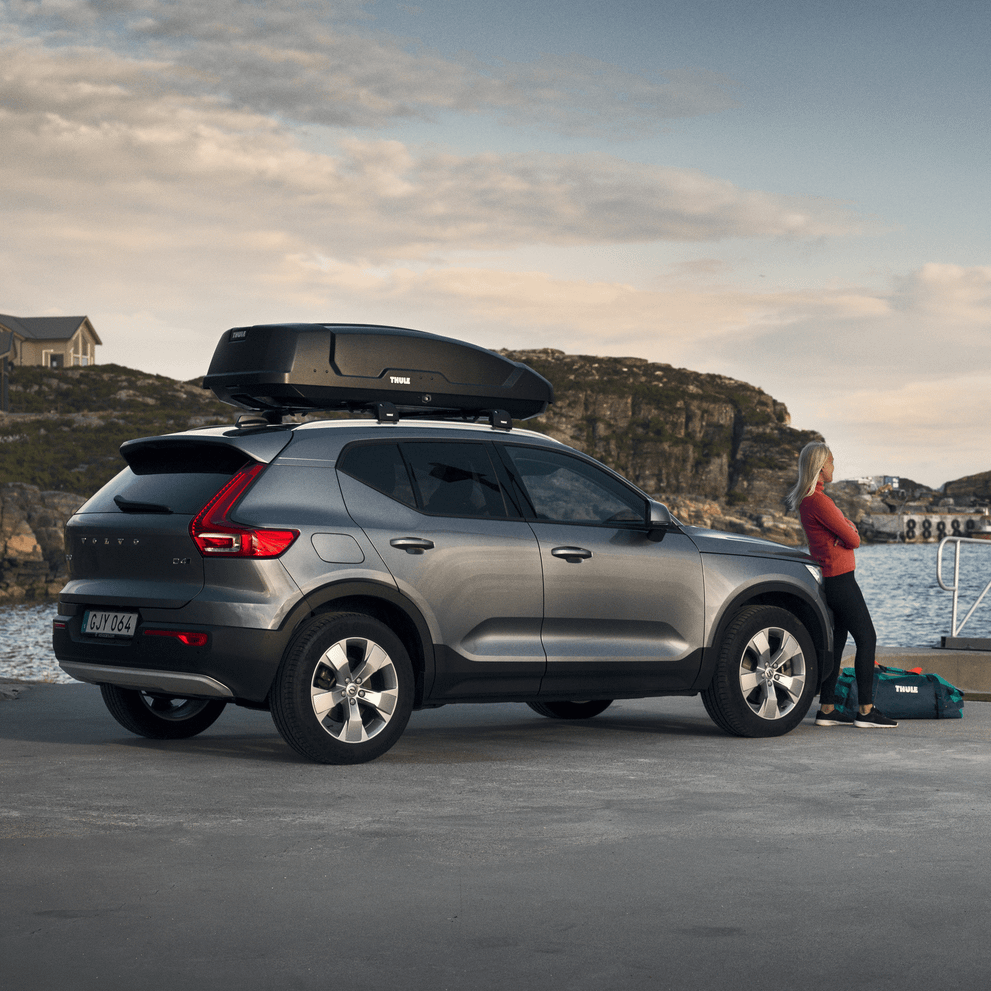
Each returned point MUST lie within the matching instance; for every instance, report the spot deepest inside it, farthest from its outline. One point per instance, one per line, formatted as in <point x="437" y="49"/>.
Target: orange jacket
<point x="832" y="537"/>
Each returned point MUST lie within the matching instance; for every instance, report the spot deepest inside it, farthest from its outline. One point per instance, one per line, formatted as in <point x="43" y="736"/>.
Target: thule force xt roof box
<point x="299" y="368"/>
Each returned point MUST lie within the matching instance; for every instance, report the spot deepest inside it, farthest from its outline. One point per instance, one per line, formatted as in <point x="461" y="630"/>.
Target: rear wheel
<point x="344" y="692"/>
<point x="159" y="716"/>
<point x="571" y="710"/>
<point x="766" y="674"/>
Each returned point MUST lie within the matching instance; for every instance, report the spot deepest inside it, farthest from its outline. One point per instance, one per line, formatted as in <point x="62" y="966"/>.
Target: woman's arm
<point x="836" y="523"/>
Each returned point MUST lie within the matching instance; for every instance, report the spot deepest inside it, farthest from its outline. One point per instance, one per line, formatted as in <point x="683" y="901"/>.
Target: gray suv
<point x="342" y="573"/>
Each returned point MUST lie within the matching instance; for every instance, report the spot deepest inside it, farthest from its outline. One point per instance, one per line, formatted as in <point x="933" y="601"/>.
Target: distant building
<point x="874" y="482"/>
<point x="51" y="342"/>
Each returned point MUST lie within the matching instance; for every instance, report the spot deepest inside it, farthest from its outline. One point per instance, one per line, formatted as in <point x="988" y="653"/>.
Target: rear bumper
<point x="234" y="663"/>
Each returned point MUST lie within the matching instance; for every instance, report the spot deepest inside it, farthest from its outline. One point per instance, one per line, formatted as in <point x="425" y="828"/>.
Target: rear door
<point x="622" y="614"/>
<point x="439" y="517"/>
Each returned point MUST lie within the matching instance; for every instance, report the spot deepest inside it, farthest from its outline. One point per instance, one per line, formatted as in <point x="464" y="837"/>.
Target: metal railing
<point x="954" y="640"/>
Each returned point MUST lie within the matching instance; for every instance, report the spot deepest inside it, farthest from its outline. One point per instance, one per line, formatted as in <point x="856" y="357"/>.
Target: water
<point x="907" y="605"/>
<point x="899" y="583"/>
<point x="26" y="644"/>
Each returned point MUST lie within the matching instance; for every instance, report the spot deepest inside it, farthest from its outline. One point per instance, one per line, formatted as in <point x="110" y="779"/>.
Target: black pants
<point x="850" y="616"/>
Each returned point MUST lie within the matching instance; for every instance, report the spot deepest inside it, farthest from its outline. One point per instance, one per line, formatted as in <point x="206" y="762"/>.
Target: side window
<point x="455" y="479"/>
<point x="568" y="490"/>
<point x="381" y="466"/>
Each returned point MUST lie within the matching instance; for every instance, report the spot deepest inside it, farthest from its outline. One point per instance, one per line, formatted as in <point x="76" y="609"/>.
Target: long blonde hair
<point x="810" y="463"/>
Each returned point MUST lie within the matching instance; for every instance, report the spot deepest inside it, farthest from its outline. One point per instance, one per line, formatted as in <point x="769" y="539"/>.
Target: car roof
<point x="321" y="440"/>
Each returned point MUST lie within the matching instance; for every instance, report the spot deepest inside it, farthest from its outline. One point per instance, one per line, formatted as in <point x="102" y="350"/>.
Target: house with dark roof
<point x="51" y="342"/>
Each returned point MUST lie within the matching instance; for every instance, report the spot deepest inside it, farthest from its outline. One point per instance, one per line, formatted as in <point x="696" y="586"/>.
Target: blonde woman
<point x="832" y="539"/>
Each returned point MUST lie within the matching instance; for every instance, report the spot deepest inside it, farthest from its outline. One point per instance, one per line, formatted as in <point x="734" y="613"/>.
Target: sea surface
<point x="899" y="583"/>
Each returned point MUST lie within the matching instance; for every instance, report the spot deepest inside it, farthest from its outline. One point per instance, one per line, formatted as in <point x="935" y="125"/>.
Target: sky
<point x="789" y="193"/>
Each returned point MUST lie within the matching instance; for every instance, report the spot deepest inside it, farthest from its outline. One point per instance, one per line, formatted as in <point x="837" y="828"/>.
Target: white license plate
<point x="102" y="623"/>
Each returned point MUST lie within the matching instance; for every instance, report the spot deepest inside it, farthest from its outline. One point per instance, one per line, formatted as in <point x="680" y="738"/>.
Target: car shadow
<point x="460" y="734"/>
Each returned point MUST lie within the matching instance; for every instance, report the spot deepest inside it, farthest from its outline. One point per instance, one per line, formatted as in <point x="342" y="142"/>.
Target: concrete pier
<point x="969" y="670"/>
<point x="922" y="528"/>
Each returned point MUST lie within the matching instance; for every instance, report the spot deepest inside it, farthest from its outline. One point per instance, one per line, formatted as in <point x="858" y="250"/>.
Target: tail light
<point x="192" y="638"/>
<point x="215" y="534"/>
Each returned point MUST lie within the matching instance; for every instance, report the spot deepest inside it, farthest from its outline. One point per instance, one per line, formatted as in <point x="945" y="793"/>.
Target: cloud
<point x="89" y="137"/>
<point x="518" y="308"/>
<point x="582" y="96"/>
<point x="327" y="63"/>
<point x="928" y="324"/>
<point x="950" y="296"/>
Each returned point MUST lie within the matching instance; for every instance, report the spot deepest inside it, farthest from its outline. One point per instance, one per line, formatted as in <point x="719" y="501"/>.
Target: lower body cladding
<point x="459" y="679"/>
<point x="238" y="664"/>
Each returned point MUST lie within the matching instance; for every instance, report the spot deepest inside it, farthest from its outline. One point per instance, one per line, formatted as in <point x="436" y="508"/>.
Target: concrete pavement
<point x="493" y="849"/>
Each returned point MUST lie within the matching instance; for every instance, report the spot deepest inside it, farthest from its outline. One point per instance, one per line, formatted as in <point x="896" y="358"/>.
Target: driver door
<point x="623" y="614"/>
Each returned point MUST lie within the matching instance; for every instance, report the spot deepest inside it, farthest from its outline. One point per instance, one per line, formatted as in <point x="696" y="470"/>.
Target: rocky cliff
<point x="32" y="559"/>
<point x="972" y="490"/>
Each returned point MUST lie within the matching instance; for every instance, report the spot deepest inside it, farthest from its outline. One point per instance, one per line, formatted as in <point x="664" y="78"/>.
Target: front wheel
<point x="766" y="674"/>
<point x="571" y="710"/>
<point x="158" y="716"/>
<point x="344" y="692"/>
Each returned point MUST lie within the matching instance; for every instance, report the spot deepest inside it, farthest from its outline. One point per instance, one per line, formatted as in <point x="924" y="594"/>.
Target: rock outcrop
<point x="32" y="557"/>
<point x="972" y="490"/>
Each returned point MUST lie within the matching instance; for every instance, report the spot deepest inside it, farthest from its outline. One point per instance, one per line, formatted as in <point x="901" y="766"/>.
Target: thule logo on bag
<point x="913" y="689"/>
<point x="399" y="380"/>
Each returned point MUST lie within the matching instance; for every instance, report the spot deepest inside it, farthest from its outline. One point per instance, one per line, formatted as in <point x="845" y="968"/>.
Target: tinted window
<point x="566" y="489"/>
<point x="381" y="466"/>
<point x="168" y="477"/>
<point x="162" y="458"/>
<point x="455" y="479"/>
<point x="175" y="492"/>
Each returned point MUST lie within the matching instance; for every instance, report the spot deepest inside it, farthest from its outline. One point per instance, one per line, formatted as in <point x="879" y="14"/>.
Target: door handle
<point x="412" y="545"/>
<point x="573" y="555"/>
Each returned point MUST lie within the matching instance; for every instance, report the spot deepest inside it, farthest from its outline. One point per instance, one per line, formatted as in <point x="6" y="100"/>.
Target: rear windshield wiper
<point x="128" y="506"/>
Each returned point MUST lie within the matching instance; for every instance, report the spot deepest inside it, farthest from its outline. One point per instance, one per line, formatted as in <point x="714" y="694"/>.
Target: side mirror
<point x="659" y="522"/>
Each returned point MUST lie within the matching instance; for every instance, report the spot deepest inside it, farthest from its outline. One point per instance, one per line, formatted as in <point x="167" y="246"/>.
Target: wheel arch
<point x="386" y="604"/>
<point x="785" y="596"/>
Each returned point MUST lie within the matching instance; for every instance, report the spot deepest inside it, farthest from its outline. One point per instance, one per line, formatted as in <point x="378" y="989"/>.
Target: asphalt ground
<point x="493" y="848"/>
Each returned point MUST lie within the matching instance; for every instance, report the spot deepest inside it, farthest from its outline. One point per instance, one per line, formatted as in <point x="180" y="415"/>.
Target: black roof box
<point x="300" y="367"/>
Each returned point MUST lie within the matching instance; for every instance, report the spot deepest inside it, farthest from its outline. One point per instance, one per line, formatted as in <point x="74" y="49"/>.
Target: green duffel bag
<point x="903" y="694"/>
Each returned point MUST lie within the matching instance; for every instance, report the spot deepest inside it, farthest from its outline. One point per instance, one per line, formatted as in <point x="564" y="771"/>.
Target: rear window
<point x="455" y="479"/>
<point x="168" y="480"/>
<point x="381" y="466"/>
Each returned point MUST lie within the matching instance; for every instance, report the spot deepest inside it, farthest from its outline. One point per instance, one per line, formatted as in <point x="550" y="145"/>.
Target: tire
<point x="344" y="691"/>
<point x="766" y="674"/>
<point x="159" y="716"/>
<point x="571" y="710"/>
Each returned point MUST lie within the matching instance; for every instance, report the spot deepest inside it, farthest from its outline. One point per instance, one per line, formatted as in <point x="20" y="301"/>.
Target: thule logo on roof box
<point x="399" y="379"/>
